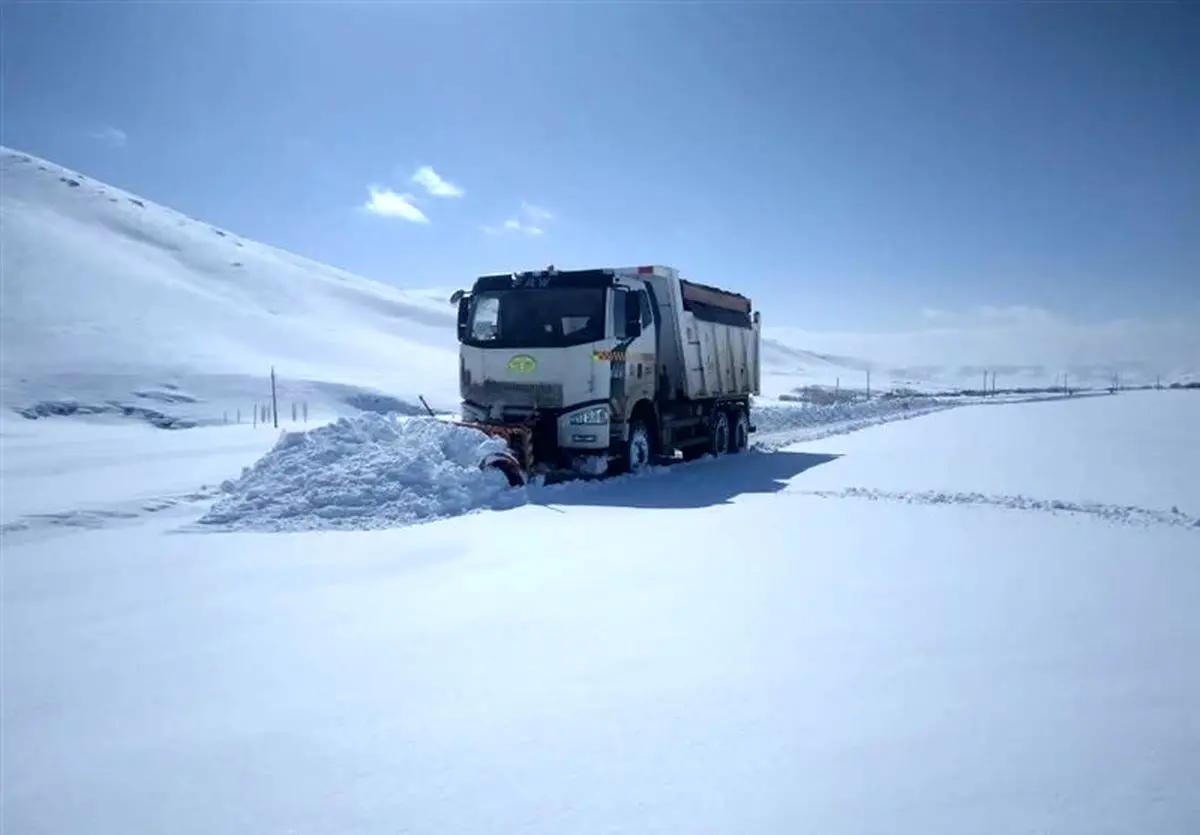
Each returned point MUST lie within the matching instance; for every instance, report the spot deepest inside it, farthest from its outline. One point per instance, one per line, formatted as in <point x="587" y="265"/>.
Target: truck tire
<point x="739" y="438"/>
<point x="719" y="433"/>
<point x="639" y="449"/>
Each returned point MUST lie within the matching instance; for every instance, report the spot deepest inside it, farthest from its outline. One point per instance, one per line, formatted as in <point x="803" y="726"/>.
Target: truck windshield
<point x="542" y="318"/>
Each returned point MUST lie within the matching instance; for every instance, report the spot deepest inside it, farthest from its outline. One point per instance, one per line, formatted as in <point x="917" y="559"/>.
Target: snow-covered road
<point x="724" y="647"/>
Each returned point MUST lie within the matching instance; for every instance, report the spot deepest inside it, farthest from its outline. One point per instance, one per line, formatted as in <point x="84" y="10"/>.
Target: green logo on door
<point x="522" y="364"/>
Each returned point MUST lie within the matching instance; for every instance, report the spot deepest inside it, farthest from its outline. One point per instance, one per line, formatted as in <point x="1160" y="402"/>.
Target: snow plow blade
<point x="516" y="462"/>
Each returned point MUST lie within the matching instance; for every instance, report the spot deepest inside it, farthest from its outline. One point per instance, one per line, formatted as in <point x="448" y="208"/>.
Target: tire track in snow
<point x="95" y="518"/>
<point x="1119" y="514"/>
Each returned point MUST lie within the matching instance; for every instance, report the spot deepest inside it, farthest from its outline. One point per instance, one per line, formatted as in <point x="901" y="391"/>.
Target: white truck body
<point x="586" y="357"/>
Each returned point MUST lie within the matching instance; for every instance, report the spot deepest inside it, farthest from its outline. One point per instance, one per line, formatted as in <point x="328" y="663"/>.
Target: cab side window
<point x="617" y="314"/>
<point x="647" y="313"/>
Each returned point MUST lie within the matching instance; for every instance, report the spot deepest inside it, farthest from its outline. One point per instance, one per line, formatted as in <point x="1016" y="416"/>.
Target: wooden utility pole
<point x="274" y="400"/>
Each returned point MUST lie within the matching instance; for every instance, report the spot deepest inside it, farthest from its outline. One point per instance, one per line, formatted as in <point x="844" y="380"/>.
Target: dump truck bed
<point x="720" y="342"/>
<point x="710" y="344"/>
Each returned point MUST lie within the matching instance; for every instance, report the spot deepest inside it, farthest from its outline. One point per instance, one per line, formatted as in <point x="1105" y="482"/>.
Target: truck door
<point x="635" y="355"/>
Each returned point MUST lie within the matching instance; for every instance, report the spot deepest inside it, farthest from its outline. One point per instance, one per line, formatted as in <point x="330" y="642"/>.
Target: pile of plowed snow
<point x="367" y="472"/>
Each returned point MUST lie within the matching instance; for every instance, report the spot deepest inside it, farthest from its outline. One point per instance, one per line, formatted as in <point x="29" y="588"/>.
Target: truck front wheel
<point x="638" y="449"/>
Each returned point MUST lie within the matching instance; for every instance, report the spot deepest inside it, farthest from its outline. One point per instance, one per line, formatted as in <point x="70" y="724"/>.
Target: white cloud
<point x="433" y="183"/>
<point x="387" y="203"/>
<point x="535" y="212"/>
<point x="109" y="135"/>
<point x="529" y="220"/>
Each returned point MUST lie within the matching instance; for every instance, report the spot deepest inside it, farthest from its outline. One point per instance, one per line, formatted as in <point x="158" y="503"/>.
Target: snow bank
<point x="778" y="421"/>
<point x="367" y="472"/>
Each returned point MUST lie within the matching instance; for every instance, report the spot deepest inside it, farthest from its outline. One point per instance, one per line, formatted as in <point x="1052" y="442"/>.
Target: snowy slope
<point x="982" y="620"/>
<point x="107" y="296"/>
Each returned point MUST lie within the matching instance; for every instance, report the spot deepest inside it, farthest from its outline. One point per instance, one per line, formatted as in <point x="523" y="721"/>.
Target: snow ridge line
<point x="815" y="423"/>
<point x="1119" y="514"/>
<point x="776" y="440"/>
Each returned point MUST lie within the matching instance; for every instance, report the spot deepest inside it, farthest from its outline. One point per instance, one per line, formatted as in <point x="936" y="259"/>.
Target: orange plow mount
<point x="516" y="461"/>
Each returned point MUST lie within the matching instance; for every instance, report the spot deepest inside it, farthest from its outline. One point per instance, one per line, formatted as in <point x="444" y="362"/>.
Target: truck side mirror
<point x="633" y="316"/>
<point x="464" y="314"/>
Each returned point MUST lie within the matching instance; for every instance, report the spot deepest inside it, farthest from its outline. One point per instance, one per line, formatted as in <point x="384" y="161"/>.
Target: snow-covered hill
<point x="110" y="297"/>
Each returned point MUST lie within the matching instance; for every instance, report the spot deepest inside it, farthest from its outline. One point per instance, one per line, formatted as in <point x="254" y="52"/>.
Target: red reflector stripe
<point x="645" y="270"/>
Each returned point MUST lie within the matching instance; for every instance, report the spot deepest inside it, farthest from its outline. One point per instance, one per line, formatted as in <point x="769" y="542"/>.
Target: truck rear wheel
<point x="739" y="440"/>
<point x="719" y="434"/>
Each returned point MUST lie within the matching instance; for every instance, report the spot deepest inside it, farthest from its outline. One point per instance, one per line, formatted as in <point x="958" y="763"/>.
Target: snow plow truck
<point x="593" y="372"/>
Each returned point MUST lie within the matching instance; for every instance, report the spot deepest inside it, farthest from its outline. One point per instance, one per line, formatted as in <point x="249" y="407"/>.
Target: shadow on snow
<point x="694" y="485"/>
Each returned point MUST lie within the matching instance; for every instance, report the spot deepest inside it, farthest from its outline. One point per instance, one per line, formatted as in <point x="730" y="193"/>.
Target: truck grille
<point x="521" y="395"/>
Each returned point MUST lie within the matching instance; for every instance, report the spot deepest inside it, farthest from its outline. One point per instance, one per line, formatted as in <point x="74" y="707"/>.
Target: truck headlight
<point x="590" y="417"/>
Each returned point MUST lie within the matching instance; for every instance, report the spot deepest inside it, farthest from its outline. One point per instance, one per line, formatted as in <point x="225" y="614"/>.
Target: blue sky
<point x="848" y="165"/>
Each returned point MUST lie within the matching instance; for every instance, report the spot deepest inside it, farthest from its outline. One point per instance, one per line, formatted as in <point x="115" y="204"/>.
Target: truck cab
<point x="551" y="350"/>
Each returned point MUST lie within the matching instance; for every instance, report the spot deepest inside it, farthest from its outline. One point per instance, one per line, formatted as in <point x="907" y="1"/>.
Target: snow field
<point x="1129" y="458"/>
<point x="710" y="650"/>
